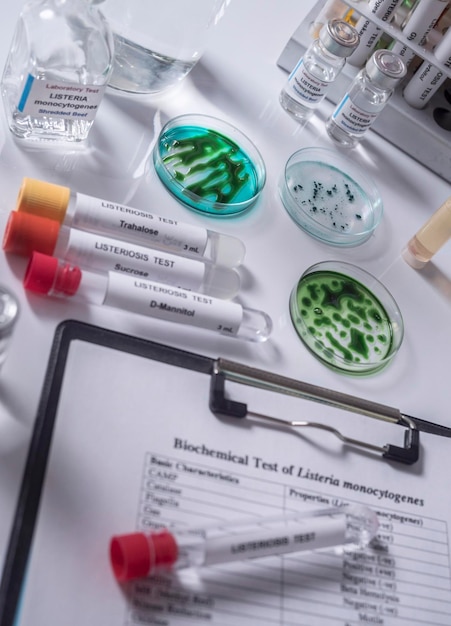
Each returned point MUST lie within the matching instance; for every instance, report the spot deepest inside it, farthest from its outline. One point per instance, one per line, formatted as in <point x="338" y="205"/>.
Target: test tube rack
<point x="415" y="131"/>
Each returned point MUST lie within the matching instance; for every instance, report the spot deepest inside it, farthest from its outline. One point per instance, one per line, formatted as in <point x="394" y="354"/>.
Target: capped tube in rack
<point x="26" y="233"/>
<point x="50" y="276"/>
<point x="140" y="554"/>
<point x="368" y="32"/>
<point x="123" y="222"/>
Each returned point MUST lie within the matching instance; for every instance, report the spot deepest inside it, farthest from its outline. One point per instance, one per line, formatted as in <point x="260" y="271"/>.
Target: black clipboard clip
<point x="223" y="406"/>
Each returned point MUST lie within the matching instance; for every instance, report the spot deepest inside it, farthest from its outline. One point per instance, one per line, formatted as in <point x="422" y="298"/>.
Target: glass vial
<point x="57" y="70"/>
<point x="367" y="96"/>
<point x="9" y="311"/>
<point x="317" y="69"/>
<point x="332" y="9"/>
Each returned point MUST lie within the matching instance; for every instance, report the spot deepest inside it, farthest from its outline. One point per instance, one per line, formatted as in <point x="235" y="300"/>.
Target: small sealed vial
<point x="318" y="68"/>
<point x="367" y="96"/>
<point x="9" y="311"/>
<point x="58" y="66"/>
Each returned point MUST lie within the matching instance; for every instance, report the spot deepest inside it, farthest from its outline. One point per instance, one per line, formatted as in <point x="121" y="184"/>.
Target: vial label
<point x="47" y="97"/>
<point x="351" y="118"/>
<point x="172" y="304"/>
<point x="303" y="86"/>
<point x="124" y="222"/>
<point x="104" y="254"/>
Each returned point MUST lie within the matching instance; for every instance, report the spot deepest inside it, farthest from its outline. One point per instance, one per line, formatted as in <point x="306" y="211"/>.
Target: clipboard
<point x="219" y="370"/>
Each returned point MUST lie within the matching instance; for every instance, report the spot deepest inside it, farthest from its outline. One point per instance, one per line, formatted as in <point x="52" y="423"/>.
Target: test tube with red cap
<point x="104" y="217"/>
<point x="139" y="554"/>
<point x="26" y="233"/>
<point x="50" y="276"/>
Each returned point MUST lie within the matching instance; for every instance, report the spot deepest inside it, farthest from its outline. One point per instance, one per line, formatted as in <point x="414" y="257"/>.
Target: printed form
<point x="140" y="449"/>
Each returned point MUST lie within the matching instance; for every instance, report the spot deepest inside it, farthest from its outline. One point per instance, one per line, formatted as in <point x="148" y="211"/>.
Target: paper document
<point x="135" y="446"/>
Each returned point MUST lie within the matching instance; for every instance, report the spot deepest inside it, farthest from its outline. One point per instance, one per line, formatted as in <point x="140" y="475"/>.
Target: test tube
<point x="116" y="220"/>
<point x="434" y="233"/>
<point x="49" y="276"/>
<point x="26" y="233"/>
<point x="137" y="555"/>
<point x="368" y="32"/>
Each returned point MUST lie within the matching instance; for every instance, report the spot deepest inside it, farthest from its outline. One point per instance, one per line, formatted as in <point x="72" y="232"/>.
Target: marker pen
<point x="423" y="19"/>
<point x="428" y="78"/>
<point x="434" y="233"/>
<point x="26" y="233"/>
<point x="138" y="554"/>
<point x="55" y="277"/>
<point x="129" y="224"/>
<point x="368" y="32"/>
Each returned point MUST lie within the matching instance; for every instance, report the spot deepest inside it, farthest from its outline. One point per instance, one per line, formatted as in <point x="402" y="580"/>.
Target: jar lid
<point x="339" y="37"/>
<point x="385" y="69"/>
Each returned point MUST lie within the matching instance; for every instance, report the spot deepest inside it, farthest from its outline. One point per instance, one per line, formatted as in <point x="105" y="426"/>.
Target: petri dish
<point x="209" y="165"/>
<point x="346" y="318"/>
<point x="330" y="197"/>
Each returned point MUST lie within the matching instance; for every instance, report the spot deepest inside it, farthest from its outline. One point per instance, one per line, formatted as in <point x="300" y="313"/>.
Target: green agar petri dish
<point x="209" y="165"/>
<point x="346" y="318"/>
<point x="330" y="197"/>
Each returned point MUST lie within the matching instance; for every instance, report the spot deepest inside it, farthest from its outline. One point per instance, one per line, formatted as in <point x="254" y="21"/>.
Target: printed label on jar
<point x="302" y="85"/>
<point x="351" y="118"/>
<point x="173" y="304"/>
<point x="47" y="97"/>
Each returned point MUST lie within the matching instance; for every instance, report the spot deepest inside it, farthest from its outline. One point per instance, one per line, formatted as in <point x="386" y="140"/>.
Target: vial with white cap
<point x="367" y="96"/>
<point x="50" y="276"/>
<point x="26" y="233"/>
<point x="323" y="60"/>
<point x="123" y="222"/>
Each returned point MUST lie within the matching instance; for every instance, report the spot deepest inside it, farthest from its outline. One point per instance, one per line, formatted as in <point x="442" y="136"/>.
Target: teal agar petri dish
<point x="209" y="165"/>
<point x="330" y="197"/>
<point x="346" y="318"/>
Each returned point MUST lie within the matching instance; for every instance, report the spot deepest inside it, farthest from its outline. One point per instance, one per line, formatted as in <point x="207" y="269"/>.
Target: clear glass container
<point x="366" y="98"/>
<point x="323" y="60"/>
<point x="158" y="43"/>
<point x="57" y="70"/>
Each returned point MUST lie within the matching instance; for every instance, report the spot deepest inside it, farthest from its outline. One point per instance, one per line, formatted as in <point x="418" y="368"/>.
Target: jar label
<point x="65" y="100"/>
<point x="302" y="85"/>
<point x="351" y="118"/>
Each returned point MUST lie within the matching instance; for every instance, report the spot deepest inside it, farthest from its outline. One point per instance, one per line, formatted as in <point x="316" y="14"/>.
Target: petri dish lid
<point x="209" y="165"/>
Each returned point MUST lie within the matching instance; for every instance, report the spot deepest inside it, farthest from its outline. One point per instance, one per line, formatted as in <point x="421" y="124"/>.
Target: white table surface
<point x="237" y="80"/>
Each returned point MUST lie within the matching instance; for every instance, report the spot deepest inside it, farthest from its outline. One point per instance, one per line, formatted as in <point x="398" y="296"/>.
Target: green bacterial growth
<point x="209" y="166"/>
<point x="341" y="321"/>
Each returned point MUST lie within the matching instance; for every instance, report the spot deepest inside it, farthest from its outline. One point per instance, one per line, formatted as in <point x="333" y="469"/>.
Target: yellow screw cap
<point x="44" y="199"/>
